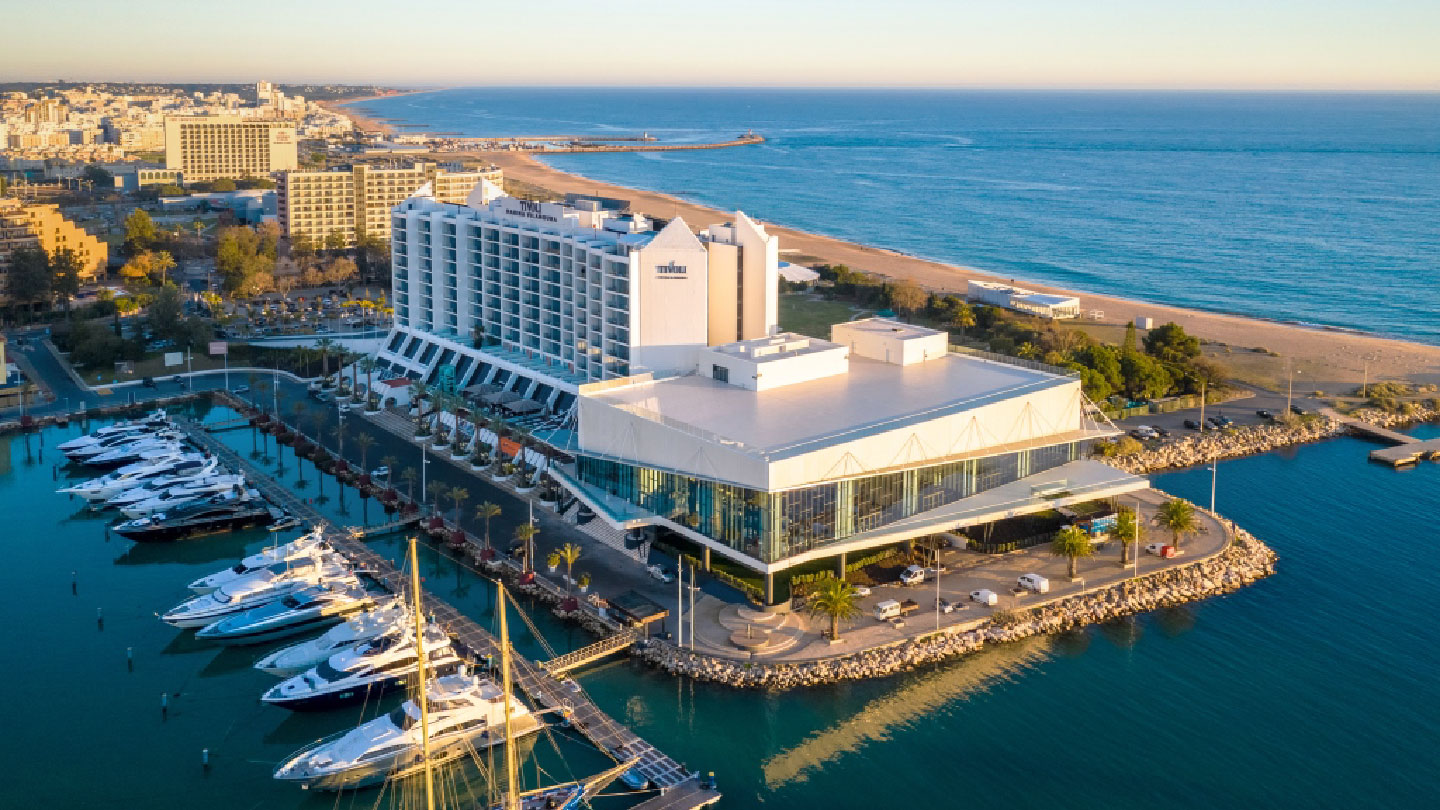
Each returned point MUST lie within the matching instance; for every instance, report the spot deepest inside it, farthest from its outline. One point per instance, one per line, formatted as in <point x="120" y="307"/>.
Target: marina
<point x="538" y="682"/>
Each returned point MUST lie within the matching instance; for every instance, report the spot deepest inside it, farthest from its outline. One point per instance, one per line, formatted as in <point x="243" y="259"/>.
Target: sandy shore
<point x="1322" y="357"/>
<point x="361" y="120"/>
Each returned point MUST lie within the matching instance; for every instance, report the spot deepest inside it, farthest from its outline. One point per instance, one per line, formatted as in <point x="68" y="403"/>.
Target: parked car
<point x="1264" y="414"/>
<point x="1297" y="410"/>
<point x="1224" y="420"/>
<point x="1192" y="424"/>
<point x="862" y="590"/>
<point x="984" y="596"/>
<point x="380" y="474"/>
<point x="657" y="572"/>
<point x="148" y="382"/>
<point x="944" y="606"/>
<point x="912" y="575"/>
<point x="1214" y="422"/>
<point x="1033" y="583"/>
<point x="1164" y="550"/>
<point x="1162" y="432"/>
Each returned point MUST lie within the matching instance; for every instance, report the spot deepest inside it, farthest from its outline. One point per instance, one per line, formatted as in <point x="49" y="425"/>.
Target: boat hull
<point x="159" y="533"/>
<point x="345" y="697"/>
<point x="273" y="633"/>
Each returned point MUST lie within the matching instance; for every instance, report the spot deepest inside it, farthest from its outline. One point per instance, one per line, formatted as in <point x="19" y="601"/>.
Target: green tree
<point x="1072" y="543"/>
<point x="964" y="318"/>
<point x="65" y="267"/>
<point x="408" y="475"/>
<point x="302" y="248"/>
<point x="1145" y="377"/>
<point x="1171" y="344"/>
<point x="223" y="184"/>
<point x="1128" y="346"/>
<point x="485" y="511"/>
<point x="171" y="190"/>
<point x="836" y="600"/>
<point x="364" y="441"/>
<point x="1179" y="518"/>
<point x="140" y="232"/>
<point x="908" y="297"/>
<point x="165" y="312"/>
<point x="29" y="280"/>
<point x="458" y="496"/>
<point x="335" y="240"/>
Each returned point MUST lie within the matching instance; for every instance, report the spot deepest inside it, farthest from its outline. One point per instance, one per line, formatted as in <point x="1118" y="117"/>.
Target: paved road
<point x="1240" y="411"/>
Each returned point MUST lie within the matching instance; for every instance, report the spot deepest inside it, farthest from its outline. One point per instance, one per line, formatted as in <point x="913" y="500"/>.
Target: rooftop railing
<point x="1033" y="365"/>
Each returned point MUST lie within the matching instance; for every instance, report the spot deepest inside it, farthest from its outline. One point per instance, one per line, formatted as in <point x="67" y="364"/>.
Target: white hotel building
<point x="692" y="413"/>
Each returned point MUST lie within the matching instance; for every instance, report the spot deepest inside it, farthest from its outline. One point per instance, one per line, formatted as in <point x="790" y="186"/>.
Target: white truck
<point x="1034" y="583"/>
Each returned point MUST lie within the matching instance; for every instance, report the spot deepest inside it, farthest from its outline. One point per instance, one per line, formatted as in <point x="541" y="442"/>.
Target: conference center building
<point x="681" y="408"/>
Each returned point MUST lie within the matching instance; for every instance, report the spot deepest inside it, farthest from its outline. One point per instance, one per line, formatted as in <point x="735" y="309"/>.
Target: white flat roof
<point x="874" y="396"/>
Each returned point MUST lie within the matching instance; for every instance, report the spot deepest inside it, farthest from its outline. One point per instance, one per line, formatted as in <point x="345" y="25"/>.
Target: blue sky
<point x="1219" y="44"/>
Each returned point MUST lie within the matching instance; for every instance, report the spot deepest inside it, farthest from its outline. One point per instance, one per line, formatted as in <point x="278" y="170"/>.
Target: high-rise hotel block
<point x="357" y="200"/>
<point x="209" y="147"/>
<point x="560" y="295"/>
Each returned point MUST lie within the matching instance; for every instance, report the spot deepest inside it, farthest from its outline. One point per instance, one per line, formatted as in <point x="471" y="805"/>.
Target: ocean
<point x="1311" y="689"/>
<point x="1303" y="207"/>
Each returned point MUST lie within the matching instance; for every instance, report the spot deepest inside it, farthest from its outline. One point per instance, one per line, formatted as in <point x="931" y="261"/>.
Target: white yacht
<point x="169" y="475"/>
<point x="148" y="424"/>
<point x="388" y="619"/>
<point x="180" y="495"/>
<point x="109" y="443"/>
<point x="306" y="609"/>
<point x="465" y="711"/>
<point x="305" y="545"/>
<point x="258" y="588"/>
<point x="364" y="671"/>
<point x="146" y="449"/>
<point x="141" y="473"/>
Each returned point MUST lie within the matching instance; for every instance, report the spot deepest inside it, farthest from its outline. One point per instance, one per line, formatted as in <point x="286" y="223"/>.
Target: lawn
<point x="812" y="315"/>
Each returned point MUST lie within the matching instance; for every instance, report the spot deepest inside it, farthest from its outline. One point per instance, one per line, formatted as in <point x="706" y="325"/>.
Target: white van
<point x="1034" y="583"/>
<point x="887" y="610"/>
<point x="984" y="596"/>
<point x="913" y="575"/>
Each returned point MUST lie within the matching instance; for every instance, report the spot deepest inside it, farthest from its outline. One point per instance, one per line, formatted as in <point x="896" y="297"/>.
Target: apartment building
<point x="28" y="224"/>
<point x="209" y="147"/>
<point x="358" y="199"/>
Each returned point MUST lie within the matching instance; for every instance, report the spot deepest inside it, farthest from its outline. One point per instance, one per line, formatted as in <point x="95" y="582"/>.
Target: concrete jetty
<point x="1404" y="450"/>
<point x="678" y="789"/>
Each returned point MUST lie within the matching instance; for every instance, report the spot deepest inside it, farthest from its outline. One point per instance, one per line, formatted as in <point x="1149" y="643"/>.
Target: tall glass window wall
<point x="771" y="526"/>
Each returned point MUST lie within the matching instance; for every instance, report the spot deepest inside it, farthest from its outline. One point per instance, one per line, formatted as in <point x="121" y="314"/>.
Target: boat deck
<point x="679" y="789"/>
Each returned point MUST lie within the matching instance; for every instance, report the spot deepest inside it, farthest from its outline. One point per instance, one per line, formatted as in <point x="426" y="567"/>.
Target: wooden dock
<point x="604" y="648"/>
<point x="1404" y="450"/>
<point x="679" y="789"/>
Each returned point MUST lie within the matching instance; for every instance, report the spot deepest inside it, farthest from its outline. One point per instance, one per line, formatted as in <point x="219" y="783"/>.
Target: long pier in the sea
<point x="480" y="146"/>
<point x="1404" y="450"/>
<point x="678" y="789"/>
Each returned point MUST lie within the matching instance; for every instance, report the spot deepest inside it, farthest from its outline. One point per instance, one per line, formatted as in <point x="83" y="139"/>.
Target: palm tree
<point x="485" y="511"/>
<point x="438" y="490"/>
<point x="367" y="364"/>
<point x="324" y="345"/>
<point x="836" y="600"/>
<point x="569" y="553"/>
<point x="408" y="475"/>
<point x="458" y="496"/>
<point x="364" y="441"/>
<point x="525" y="533"/>
<point x="1072" y="542"/>
<point x="1127" y="531"/>
<point x="1179" y="518"/>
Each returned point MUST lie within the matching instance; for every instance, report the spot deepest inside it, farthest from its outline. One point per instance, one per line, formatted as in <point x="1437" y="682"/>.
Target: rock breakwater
<point x="1243" y="562"/>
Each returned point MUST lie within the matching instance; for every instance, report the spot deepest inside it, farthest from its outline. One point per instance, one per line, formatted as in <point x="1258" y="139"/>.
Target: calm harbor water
<point x="1311" y="689"/>
<point x="1309" y="207"/>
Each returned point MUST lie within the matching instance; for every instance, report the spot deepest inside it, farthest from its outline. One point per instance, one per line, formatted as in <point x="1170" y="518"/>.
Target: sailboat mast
<point x="512" y="769"/>
<point x="424" y="683"/>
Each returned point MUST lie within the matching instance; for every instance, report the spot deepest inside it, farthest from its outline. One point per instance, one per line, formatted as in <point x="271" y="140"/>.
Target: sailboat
<point x="564" y="796"/>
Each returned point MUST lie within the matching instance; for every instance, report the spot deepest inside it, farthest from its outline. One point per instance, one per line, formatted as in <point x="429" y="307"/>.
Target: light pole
<point x="424" y="462"/>
<point x="1214" y="473"/>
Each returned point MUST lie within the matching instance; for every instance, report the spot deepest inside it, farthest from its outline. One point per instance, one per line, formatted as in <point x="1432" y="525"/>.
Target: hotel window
<point x="720" y="373"/>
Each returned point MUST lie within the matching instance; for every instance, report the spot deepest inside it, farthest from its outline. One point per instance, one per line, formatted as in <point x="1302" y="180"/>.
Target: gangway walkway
<point x="680" y="790"/>
<point x="561" y="664"/>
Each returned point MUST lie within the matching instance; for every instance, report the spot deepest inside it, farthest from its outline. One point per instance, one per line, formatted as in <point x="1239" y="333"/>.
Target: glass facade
<point x="771" y="526"/>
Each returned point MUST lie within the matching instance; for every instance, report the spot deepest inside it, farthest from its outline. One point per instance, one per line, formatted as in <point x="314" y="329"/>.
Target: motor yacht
<point x="94" y="449"/>
<point x="180" y="495"/>
<point x="390" y="618"/>
<point x="218" y="513"/>
<point x="141" y="473"/>
<point x="306" y="609"/>
<point x="146" y="449"/>
<point x="258" y="588"/>
<point x="148" y="424"/>
<point x="305" y="545"/>
<point x="367" y="670"/>
<point x="465" y="711"/>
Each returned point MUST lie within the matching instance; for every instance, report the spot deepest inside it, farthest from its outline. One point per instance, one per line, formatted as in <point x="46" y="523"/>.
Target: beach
<point x="1322" y="357"/>
<point x="360" y="119"/>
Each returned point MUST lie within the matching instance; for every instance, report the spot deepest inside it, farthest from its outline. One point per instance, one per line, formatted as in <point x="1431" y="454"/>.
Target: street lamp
<point x="424" y="462"/>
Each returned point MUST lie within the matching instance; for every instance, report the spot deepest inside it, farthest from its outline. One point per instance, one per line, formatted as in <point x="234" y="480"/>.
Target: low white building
<point x="1020" y="299"/>
<point x="784" y="450"/>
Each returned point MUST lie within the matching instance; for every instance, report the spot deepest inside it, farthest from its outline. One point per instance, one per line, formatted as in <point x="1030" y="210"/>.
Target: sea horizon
<point x="1046" y="202"/>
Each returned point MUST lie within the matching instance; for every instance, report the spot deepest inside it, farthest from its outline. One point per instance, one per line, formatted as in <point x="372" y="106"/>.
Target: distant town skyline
<point x="1384" y="45"/>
